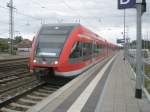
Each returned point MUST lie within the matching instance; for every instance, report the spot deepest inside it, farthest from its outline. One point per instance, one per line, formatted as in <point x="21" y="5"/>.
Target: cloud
<point x="100" y="16"/>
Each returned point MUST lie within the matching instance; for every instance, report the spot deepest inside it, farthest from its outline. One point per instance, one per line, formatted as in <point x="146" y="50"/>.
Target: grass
<point x="147" y="69"/>
<point x="147" y="80"/>
<point x="147" y="84"/>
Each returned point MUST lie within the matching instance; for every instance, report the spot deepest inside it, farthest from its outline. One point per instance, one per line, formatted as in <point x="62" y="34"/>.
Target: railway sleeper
<point x="52" y="86"/>
<point x="16" y="108"/>
<point x="22" y="102"/>
<point x="13" y="78"/>
<point x="4" y="109"/>
<point x="35" y="97"/>
<point x="39" y="93"/>
<point x="50" y="90"/>
<point x="28" y="100"/>
<point x="45" y="91"/>
<point x="20" y="105"/>
<point x="14" y="84"/>
<point x="5" y="75"/>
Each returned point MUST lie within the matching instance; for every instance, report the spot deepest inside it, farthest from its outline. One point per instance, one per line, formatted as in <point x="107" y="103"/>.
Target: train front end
<point x="46" y="50"/>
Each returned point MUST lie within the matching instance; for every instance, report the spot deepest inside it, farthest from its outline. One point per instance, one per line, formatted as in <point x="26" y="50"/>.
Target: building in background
<point x="24" y="47"/>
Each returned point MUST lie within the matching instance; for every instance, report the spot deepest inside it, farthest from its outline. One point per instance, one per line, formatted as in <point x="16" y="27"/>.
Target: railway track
<point x="12" y="60"/>
<point x="12" y="70"/>
<point x="19" y="98"/>
<point x="19" y="90"/>
<point x="16" y="72"/>
<point x="19" y="95"/>
<point x="13" y="64"/>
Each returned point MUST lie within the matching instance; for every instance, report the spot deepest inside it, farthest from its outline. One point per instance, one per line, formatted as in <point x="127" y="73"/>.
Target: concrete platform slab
<point x="118" y="94"/>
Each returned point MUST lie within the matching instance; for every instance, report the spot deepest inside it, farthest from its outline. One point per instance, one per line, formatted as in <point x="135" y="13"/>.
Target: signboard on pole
<point x="124" y="4"/>
<point x="119" y="41"/>
<point x="141" y="8"/>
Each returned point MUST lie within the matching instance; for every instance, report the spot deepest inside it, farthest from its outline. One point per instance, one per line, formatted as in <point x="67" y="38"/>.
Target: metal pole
<point x="139" y="76"/>
<point x="128" y="48"/>
<point x="127" y="43"/>
<point x="147" y="40"/>
<point x="124" y="34"/>
<point x="11" y="25"/>
<point x="144" y="38"/>
<point x="143" y="42"/>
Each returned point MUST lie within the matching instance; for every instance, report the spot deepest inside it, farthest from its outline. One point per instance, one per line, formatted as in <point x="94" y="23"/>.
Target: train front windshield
<point x="51" y="40"/>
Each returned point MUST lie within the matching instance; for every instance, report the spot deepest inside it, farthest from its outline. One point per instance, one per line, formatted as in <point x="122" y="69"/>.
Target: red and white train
<point x="66" y="50"/>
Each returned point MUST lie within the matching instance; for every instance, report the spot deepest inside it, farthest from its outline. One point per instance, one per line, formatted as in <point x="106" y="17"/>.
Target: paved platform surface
<point x="119" y="91"/>
<point x="111" y="90"/>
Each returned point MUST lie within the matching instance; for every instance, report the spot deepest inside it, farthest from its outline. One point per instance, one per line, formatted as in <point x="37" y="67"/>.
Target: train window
<point x="99" y="48"/>
<point x="53" y="32"/>
<point x="87" y="51"/>
<point x="49" y="48"/>
<point x="76" y="53"/>
<point x="81" y="51"/>
<point x="50" y="45"/>
<point x="95" y="50"/>
<point x="51" y="40"/>
<point x="62" y="30"/>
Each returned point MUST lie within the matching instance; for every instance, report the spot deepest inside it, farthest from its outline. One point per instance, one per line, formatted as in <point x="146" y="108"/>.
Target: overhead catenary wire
<point x="98" y="18"/>
<point x="3" y="22"/>
<point x="67" y="8"/>
<point x="3" y="7"/>
<point x="20" y="13"/>
<point x="40" y="5"/>
<point x="1" y="33"/>
<point x="44" y="7"/>
<point x="77" y="13"/>
<point x="64" y="3"/>
<point x="85" y="6"/>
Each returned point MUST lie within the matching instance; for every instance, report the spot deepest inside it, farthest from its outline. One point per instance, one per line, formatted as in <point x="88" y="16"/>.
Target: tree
<point x="3" y="46"/>
<point x="18" y="39"/>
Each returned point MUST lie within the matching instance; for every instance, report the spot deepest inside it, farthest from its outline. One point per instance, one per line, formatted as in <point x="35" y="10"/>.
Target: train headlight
<point x="43" y="62"/>
<point x="55" y="62"/>
<point x="34" y="61"/>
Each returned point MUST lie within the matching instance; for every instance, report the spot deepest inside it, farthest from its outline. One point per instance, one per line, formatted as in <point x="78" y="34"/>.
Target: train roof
<point x="57" y="28"/>
<point x="70" y="27"/>
<point x="61" y="25"/>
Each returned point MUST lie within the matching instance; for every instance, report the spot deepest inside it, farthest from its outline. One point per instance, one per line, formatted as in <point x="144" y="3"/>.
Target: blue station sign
<point x="124" y="4"/>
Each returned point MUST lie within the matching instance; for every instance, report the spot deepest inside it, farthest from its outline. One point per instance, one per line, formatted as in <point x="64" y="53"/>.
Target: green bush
<point x="147" y="84"/>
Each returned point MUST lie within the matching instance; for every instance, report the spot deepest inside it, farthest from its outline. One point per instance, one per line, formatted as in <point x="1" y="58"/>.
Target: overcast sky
<point x="100" y="16"/>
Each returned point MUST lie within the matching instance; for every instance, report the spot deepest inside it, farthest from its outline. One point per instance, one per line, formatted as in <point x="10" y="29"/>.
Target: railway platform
<point x="110" y="90"/>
